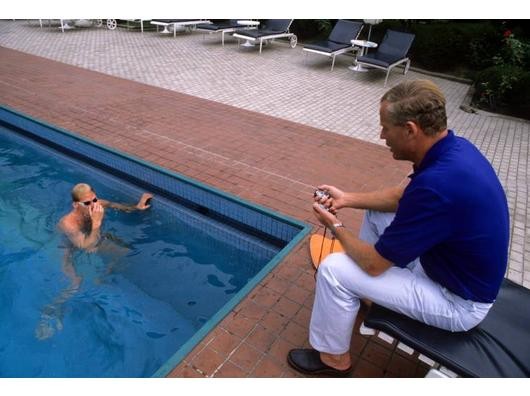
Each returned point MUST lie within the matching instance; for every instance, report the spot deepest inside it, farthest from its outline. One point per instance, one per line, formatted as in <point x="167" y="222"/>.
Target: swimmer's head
<point x="83" y="195"/>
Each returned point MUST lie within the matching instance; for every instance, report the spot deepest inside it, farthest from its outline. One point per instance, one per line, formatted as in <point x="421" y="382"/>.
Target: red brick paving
<point x="266" y="160"/>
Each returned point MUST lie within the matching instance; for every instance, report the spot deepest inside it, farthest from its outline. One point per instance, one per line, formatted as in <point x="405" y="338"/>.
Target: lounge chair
<point x="175" y="24"/>
<point x="392" y="52"/>
<point x="70" y="24"/>
<point x="140" y="21"/>
<point x="498" y="347"/>
<point x="338" y="42"/>
<point x="226" y="26"/>
<point x="272" y="29"/>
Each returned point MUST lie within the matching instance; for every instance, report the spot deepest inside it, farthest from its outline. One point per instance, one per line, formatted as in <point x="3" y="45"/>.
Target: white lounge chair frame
<point x="224" y="31"/>
<point x="111" y="24"/>
<point x="291" y="36"/>
<point x="137" y="20"/>
<point x="390" y="67"/>
<point x="436" y="369"/>
<point x="351" y="48"/>
<point x="187" y="24"/>
<point x="333" y="54"/>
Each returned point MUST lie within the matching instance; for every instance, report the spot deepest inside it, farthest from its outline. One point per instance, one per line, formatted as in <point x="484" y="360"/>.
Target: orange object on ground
<point x="320" y="247"/>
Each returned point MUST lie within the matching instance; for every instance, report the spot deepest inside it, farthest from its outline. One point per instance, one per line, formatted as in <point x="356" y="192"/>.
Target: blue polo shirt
<point x="453" y="215"/>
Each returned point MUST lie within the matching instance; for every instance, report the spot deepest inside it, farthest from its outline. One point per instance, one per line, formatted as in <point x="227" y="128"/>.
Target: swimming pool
<point x="169" y="275"/>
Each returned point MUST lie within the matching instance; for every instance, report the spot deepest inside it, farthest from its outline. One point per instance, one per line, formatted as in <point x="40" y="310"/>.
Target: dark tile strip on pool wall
<point x="259" y="222"/>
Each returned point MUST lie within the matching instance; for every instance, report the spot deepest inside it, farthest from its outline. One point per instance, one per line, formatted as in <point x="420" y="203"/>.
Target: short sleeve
<point x="422" y="221"/>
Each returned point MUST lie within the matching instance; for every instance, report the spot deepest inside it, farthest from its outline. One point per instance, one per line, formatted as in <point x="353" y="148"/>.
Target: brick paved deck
<point x="271" y="161"/>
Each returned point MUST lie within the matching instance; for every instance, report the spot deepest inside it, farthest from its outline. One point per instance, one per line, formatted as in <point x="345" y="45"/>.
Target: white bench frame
<point x="187" y="24"/>
<point x="292" y="39"/>
<point x="332" y="54"/>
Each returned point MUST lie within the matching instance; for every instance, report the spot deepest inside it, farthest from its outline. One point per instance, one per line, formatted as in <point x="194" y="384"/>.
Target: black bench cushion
<point x="220" y="25"/>
<point x="345" y="31"/>
<point x="497" y="347"/>
<point x="379" y="59"/>
<point x="327" y="46"/>
<point x="172" y="20"/>
<point x="258" y="33"/>
<point x="269" y="28"/>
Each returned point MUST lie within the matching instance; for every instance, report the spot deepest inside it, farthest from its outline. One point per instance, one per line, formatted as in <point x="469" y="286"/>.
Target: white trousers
<point x="341" y="283"/>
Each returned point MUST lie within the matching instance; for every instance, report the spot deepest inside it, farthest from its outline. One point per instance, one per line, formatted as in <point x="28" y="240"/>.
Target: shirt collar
<point x="435" y="152"/>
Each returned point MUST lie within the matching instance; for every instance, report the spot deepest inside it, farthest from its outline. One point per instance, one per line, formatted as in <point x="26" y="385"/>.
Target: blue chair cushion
<point x="257" y="33"/>
<point x="345" y="31"/>
<point x="498" y="347"/>
<point x="379" y="59"/>
<point x="218" y="26"/>
<point x="327" y="46"/>
<point x="277" y="25"/>
<point x="172" y="20"/>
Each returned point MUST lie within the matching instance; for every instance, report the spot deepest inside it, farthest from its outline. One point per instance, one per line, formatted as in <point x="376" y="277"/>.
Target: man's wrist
<point x="335" y="226"/>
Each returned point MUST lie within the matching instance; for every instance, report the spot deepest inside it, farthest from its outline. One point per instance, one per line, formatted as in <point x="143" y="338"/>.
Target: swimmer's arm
<point x="79" y="239"/>
<point x="141" y="205"/>
<point x="118" y="206"/>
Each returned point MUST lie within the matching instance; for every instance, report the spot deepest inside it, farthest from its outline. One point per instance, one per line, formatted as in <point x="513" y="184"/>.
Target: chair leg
<point x="223" y="38"/>
<point x="407" y="65"/>
<point x="386" y="78"/>
<point x="332" y="62"/>
<point x="260" y="45"/>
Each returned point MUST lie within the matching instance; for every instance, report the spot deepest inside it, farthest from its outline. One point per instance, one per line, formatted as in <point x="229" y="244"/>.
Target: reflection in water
<point x="121" y="310"/>
<point x="80" y="265"/>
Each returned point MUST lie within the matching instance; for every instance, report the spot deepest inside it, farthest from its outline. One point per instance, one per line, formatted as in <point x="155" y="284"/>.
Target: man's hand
<point x="336" y="199"/>
<point x="142" y="203"/>
<point x="96" y="213"/>
<point x="326" y="218"/>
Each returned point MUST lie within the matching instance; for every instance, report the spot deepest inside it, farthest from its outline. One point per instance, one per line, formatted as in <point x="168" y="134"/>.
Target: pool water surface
<point x="157" y="278"/>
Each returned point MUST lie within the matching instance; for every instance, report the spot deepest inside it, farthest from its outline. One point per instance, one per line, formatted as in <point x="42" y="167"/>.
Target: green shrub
<point x="312" y="29"/>
<point x="446" y="46"/>
<point x="504" y="88"/>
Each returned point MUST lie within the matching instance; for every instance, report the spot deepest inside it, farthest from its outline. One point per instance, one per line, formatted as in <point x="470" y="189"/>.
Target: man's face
<point x="86" y="200"/>
<point x="395" y="136"/>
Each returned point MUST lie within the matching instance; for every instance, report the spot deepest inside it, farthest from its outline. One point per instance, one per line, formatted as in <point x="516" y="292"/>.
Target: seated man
<point x="82" y="225"/>
<point x="440" y="258"/>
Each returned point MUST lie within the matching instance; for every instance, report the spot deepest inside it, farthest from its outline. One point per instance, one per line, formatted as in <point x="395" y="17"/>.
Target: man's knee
<point x="337" y="266"/>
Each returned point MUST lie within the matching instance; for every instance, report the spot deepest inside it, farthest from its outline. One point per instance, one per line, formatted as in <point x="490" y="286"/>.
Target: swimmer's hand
<point x="144" y="202"/>
<point x="96" y="213"/>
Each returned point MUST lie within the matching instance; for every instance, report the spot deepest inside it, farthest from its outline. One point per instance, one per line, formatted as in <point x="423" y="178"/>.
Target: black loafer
<point x="307" y="361"/>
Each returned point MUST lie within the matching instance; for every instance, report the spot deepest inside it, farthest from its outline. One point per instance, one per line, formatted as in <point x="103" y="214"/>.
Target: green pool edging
<point x="173" y="361"/>
<point x="160" y="169"/>
<point x="186" y="348"/>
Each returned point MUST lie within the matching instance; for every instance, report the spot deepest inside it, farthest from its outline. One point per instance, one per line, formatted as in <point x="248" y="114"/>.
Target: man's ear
<point x="413" y="129"/>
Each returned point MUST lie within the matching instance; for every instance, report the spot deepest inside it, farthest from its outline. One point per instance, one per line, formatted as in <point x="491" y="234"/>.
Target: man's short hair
<point x="420" y="101"/>
<point x="79" y="190"/>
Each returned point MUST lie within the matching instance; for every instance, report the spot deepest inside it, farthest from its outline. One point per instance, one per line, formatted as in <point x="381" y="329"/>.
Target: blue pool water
<point x="161" y="276"/>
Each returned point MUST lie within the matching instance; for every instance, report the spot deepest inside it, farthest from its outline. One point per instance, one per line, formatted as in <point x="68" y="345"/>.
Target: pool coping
<point x="9" y="116"/>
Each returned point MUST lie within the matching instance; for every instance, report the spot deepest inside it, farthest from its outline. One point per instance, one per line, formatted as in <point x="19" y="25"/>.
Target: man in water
<point x="83" y="224"/>
<point x="82" y="227"/>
